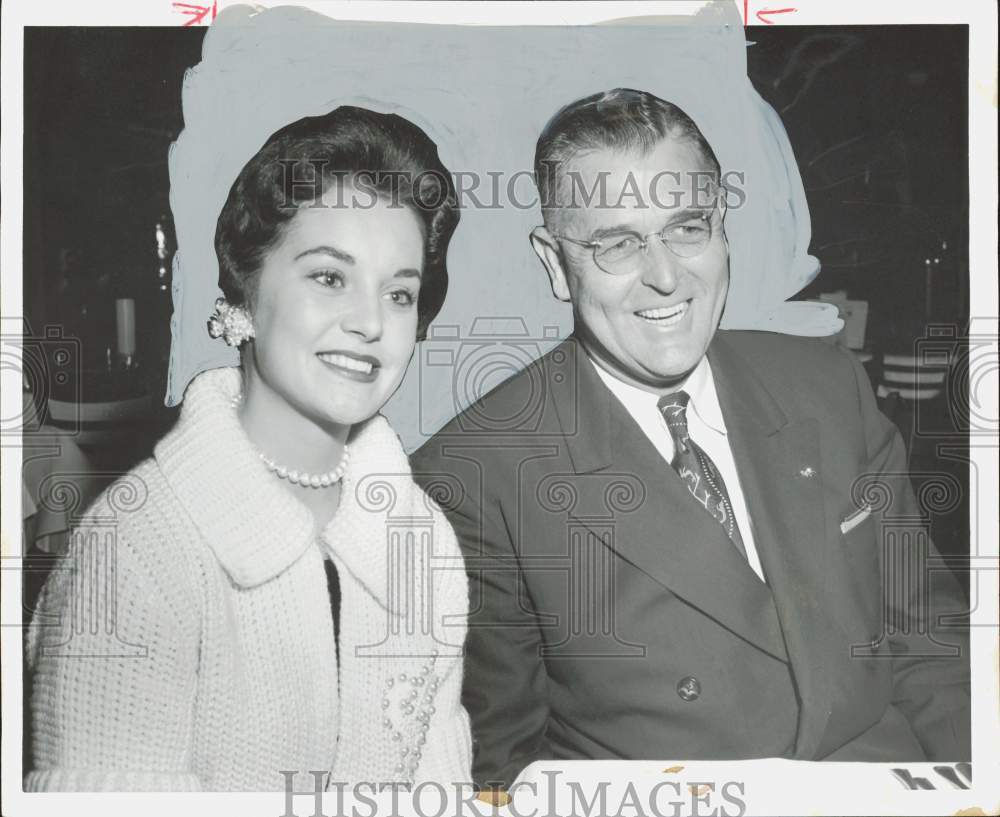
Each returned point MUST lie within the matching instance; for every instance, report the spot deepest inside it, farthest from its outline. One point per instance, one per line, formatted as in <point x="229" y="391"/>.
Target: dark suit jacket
<point x="612" y="618"/>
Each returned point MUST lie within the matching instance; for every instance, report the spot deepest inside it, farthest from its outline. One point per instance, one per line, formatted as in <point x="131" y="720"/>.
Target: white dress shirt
<point x="705" y="426"/>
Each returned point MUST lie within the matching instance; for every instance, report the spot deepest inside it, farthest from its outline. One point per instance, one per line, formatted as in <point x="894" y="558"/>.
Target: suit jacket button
<point x="689" y="688"/>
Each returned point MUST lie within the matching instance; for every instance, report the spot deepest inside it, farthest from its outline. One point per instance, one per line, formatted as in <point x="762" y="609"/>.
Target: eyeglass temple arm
<point x="578" y="241"/>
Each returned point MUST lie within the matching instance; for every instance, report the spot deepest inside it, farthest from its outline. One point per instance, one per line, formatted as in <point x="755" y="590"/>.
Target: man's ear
<point x="547" y="250"/>
<point x="723" y="206"/>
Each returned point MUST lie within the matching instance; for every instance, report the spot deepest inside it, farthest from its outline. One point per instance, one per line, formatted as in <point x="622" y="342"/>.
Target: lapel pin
<point x="808" y="472"/>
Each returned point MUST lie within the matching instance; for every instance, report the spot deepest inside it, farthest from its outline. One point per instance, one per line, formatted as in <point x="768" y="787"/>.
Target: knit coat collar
<point x="252" y="522"/>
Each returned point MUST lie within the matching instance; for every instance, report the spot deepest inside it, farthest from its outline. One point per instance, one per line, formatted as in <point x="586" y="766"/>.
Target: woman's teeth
<point x="665" y="316"/>
<point x="346" y="362"/>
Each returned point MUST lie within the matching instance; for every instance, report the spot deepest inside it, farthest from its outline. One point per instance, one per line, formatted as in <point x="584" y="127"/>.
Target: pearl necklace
<point x="303" y="478"/>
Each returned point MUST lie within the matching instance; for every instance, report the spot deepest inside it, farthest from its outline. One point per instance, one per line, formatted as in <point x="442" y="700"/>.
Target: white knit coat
<point x="187" y="642"/>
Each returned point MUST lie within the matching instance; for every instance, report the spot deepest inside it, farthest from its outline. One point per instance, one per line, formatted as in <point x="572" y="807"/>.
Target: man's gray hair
<point x="620" y="119"/>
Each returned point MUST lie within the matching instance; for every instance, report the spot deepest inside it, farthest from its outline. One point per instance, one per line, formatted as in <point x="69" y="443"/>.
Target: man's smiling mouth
<point x="665" y="315"/>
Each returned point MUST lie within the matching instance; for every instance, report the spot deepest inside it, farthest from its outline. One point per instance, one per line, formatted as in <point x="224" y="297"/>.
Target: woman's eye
<point x="328" y="278"/>
<point x="403" y="297"/>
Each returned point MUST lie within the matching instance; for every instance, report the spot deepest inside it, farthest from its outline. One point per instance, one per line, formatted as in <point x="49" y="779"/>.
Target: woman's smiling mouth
<point x="357" y="367"/>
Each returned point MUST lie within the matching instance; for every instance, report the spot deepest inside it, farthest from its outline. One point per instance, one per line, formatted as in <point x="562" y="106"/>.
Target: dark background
<point x="877" y="117"/>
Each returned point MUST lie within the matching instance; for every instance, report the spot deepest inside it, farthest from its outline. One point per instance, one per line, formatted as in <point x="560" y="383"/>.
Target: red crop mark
<point x="196" y="14"/>
<point x="764" y="14"/>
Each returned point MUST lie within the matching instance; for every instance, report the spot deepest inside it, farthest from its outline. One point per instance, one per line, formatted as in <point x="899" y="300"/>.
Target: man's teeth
<point x="346" y="362"/>
<point x="664" y="316"/>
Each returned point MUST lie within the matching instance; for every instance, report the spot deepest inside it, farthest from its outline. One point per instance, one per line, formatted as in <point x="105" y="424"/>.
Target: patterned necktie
<point x="696" y="468"/>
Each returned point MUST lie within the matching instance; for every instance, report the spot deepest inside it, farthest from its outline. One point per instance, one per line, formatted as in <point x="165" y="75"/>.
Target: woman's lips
<point x="363" y="368"/>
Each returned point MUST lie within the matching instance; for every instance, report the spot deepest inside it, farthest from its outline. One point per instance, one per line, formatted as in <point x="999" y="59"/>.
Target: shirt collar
<point x="700" y="385"/>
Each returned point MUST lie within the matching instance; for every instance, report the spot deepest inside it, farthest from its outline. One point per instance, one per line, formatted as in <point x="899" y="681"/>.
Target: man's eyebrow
<point x="617" y="229"/>
<point x="326" y="249"/>
<point x="680" y="215"/>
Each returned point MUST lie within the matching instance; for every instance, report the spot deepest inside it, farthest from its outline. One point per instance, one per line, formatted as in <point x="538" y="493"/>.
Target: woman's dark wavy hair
<point x="389" y="155"/>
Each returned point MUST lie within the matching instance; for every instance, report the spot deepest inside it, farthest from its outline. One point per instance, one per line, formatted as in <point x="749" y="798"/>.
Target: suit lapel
<point x="584" y="414"/>
<point x="669" y="536"/>
<point x="778" y="460"/>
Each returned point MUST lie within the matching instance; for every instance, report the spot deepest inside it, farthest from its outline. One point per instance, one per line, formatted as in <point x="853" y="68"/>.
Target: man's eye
<point x="328" y="278"/>
<point x="620" y="246"/>
<point x="688" y="231"/>
<point x="403" y="297"/>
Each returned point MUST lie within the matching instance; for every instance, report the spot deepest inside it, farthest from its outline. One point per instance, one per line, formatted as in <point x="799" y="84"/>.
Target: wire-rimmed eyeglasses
<point x="623" y="252"/>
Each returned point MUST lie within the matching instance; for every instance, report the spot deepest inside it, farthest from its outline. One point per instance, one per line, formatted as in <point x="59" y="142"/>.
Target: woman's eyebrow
<point x="326" y="249"/>
<point x="409" y="272"/>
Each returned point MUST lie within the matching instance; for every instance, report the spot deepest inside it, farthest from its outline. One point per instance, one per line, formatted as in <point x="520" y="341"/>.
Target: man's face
<point x="651" y="325"/>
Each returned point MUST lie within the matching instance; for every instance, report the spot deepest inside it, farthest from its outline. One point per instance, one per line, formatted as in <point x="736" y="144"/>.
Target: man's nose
<point x="661" y="268"/>
<point x="364" y="318"/>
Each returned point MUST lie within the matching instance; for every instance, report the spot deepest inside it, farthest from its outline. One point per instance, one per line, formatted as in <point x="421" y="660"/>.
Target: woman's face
<point x="335" y="316"/>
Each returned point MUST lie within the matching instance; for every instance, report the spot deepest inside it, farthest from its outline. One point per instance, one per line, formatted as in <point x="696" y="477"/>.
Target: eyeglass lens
<point x="619" y="254"/>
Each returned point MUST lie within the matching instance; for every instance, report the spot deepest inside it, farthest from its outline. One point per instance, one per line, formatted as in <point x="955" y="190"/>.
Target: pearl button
<point x="689" y="688"/>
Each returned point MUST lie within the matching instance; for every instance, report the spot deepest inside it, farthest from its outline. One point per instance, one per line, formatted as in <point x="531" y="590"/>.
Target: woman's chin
<point x="347" y="415"/>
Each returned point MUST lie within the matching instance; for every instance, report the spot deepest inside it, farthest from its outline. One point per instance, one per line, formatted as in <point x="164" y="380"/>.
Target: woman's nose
<point x="364" y="318"/>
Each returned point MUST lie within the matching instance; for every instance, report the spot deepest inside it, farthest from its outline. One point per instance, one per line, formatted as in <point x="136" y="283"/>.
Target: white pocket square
<point x="855" y="519"/>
